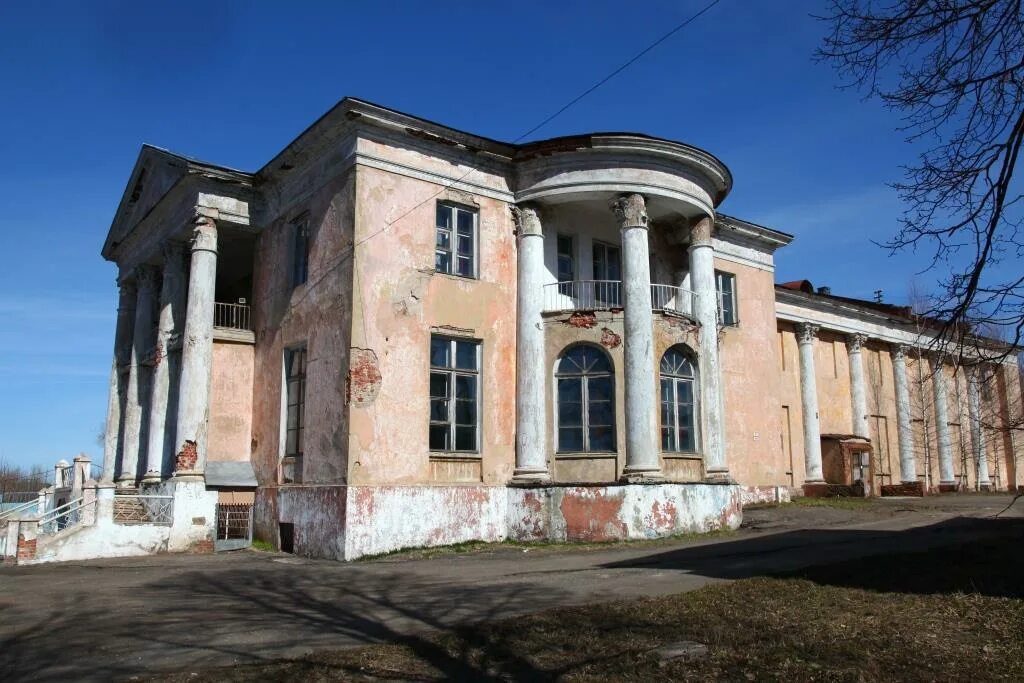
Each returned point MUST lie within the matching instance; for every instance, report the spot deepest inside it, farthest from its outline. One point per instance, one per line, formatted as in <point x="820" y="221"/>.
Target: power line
<point x="622" y="68"/>
<point x="549" y="119"/>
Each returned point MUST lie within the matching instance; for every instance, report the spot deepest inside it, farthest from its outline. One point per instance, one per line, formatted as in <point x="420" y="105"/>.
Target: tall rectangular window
<point x="566" y="258"/>
<point x="607" y="262"/>
<point x="300" y="251"/>
<point x="725" y="283"/>
<point x="295" y="400"/>
<point x="456" y="241"/>
<point x="454" y="394"/>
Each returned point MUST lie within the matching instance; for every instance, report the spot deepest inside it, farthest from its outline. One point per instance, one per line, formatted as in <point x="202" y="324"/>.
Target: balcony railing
<point x="232" y="316"/>
<point x="598" y="295"/>
<point x="672" y="298"/>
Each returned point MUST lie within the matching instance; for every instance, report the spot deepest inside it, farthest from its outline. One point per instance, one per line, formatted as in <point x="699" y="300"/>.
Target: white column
<point x="642" y="457"/>
<point x="702" y="279"/>
<point x="531" y="457"/>
<point x="137" y="394"/>
<point x="858" y="389"/>
<point x="946" y="475"/>
<point x="165" y="361"/>
<point x="806" y="334"/>
<point x="908" y="468"/>
<point x="197" y="354"/>
<point x="975" y="377"/>
<point x="118" y="378"/>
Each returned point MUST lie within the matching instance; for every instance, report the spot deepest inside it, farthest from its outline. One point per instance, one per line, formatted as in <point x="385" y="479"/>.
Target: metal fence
<point x="234" y="526"/>
<point x="232" y="316"/>
<point x="143" y="509"/>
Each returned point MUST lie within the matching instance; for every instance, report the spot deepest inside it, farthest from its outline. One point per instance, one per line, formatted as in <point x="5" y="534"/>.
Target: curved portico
<point x="621" y="217"/>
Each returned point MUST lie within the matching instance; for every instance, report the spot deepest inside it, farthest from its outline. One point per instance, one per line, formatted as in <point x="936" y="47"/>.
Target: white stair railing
<point x="60" y="518"/>
<point x="18" y="510"/>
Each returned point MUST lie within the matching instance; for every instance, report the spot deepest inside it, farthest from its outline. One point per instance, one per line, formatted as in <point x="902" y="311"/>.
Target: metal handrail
<point x="583" y="295"/>
<point x="232" y="316"/>
<point x="60" y="518"/>
<point x="11" y="512"/>
<point x="597" y="295"/>
<point x="672" y="298"/>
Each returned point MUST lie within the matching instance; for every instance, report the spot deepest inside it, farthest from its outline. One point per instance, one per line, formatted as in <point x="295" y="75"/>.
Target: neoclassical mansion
<point x="398" y="334"/>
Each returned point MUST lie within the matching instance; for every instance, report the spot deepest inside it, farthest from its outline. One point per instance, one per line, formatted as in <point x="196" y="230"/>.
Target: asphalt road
<point x="119" y="618"/>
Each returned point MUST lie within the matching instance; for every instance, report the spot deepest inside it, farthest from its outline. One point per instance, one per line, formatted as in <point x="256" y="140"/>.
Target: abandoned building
<point x="396" y="334"/>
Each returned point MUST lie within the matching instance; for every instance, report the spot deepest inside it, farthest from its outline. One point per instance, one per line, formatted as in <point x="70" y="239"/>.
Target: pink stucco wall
<point x="230" y="434"/>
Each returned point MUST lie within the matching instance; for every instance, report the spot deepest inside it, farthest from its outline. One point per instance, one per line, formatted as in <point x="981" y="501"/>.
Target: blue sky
<point x="83" y="85"/>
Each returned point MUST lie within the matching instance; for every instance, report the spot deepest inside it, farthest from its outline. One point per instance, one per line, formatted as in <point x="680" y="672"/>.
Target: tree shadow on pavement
<point x="268" y="612"/>
<point x="959" y="555"/>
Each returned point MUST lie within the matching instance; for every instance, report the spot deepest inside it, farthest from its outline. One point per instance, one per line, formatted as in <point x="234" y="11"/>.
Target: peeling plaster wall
<point x="316" y="314"/>
<point x="382" y="519"/>
<point x="386" y="518"/>
<point x="231" y="409"/>
<point x="319" y="516"/>
<point x="750" y="361"/>
<point x="394" y="314"/>
<point x="614" y="513"/>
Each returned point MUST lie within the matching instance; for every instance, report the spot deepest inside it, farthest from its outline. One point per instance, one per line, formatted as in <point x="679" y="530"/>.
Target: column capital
<point x="173" y="251"/>
<point x="527" y="220"/>
<point x="204" y="234"/>
<point x="631" y="211"/>
<point x="700" y="232"/>
<point x="146" y="277"/>
<point x="855" y="342"/>
<point x="806" y="333"/>
<point x="900" y="351"/>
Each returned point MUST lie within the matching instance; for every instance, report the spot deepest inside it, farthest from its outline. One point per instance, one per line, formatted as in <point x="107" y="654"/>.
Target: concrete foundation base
<point x="949" y="488"/>
<point x="348" y="522"/>
<point x="911" y="488"/>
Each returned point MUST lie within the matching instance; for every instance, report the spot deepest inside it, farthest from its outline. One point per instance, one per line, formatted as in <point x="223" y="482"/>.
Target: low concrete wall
<point x="386" y="518"/>
<point x="101" y="540"/>
<point x="617" y="513"/>
<point x="381" y="519"/>
<point x="761" y="495"/>
<point x="319" y="517"/>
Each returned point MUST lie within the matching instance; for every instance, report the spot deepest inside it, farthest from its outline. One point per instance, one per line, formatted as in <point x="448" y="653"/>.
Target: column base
<point x="718" y="476"/>
<point x="642" y="477"/>
<point x="125" y="482"/>
<point x="150" y="478"/>
<point x="948" y="487"/>
<point x="986" y="486"/>
<point x="815" y="488"/>
<point x="526" y="475"/>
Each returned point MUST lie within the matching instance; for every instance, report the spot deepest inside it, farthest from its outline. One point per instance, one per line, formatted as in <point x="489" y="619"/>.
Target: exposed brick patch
<point x="609" y="339"/>
<point x="364" y="377"/>
<point x="26" y="548"/>
<point x="187" y="457"/>
<point x="912" y="489"/>
<point x="201" y="547"/>
<point x="582" y="319"/>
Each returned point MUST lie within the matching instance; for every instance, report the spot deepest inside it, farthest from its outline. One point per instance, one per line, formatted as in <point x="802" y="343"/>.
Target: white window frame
<point x="452" y="371"/>
<point x="674" y="381"/>
<point x="722" y="277"/>
<point x="453" y="236"/>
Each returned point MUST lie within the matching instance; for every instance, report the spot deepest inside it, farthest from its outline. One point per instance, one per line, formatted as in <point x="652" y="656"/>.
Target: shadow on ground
<point x="264" y="613"/>
<point x="959" y="555"/>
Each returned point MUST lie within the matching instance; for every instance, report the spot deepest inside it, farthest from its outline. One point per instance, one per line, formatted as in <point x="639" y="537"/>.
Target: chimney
<point x="826" y="291"/>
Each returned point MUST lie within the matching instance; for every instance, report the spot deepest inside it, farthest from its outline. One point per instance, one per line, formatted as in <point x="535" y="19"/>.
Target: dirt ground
<point x="594" y="612"/>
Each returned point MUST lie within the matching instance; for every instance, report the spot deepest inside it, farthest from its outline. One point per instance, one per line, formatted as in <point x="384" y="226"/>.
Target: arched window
<point x="586" y="401"/>
<point x="678" y="402"/>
